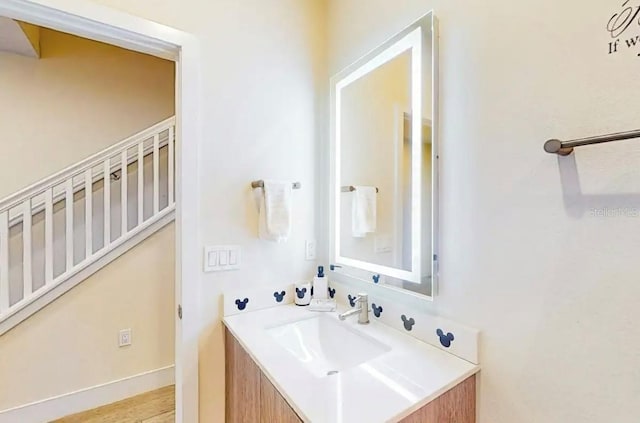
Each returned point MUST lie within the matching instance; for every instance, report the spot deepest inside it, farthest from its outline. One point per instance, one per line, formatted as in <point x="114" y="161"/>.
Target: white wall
<point x="77" y="99"/>
<point x="264" y="80"/>
<point x="552" y="286"/>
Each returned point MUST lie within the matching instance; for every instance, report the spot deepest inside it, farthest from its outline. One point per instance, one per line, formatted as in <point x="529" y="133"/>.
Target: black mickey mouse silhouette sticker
<point x="300" y="292"/>
<point x="352" y="300"/>
<point x="332" y="292"/>
<point x="408" y="323"/>
<point x="445" y="340"/>
<point x="376" y="310"/>
<point x="242" y="304"/>
<point x="279" y="296"/>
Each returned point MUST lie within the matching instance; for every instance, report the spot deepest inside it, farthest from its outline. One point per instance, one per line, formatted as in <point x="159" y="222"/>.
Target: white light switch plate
<point x="219" y="258"/>
<point x="310" y="249"/>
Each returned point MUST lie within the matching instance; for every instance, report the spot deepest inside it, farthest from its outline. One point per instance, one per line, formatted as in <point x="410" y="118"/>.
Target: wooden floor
<point x="151" y="407"/>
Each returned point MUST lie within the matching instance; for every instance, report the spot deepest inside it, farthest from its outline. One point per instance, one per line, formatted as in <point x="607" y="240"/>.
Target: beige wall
<point x="32" y="32"/>
<point x="371" y="154"/>
<point x="528" y="255"/>
<point x="376" y="151"/>
<point x="78" y="98"/>
<point x="72" y="344"/>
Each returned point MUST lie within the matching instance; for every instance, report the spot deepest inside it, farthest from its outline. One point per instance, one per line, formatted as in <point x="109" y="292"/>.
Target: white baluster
<point x="48" y="235"/>
<point x="156" y="174"/>
<point x="107" y="202"/>
<point x="4" y="261"/>
<point x="88" y="213"/>
<point x="140" y="182"/>
<point x="124" y="164"/>
<point x="170" y="147"/>
<point x="26" y="249"/>
<point x="69" y="221"/>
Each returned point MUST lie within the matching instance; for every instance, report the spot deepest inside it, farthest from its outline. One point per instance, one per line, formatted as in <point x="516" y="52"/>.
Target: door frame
<point x="100" y="23"/>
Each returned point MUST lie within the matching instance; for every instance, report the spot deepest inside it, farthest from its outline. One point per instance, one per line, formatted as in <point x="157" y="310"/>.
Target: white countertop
<point x="387" y="388"/>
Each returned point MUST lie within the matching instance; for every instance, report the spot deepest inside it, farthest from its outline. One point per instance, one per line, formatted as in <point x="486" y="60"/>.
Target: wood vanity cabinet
<point x="252" y="398"/>
<point x="458" y="405"/>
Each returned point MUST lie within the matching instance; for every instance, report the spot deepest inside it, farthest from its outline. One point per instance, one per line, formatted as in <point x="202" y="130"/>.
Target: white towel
<point x="275" y="211"/>
<point x="363" y="211"/>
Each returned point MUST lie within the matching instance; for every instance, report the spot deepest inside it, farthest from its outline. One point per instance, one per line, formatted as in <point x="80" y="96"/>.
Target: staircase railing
<point x="53" y="201"/>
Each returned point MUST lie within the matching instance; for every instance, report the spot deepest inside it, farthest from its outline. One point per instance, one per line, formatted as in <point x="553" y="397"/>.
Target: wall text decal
<point x="621" y="25"/>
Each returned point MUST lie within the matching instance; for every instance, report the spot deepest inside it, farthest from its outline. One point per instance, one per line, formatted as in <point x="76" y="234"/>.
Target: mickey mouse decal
<point x="408" y="323"/>
<point x="242" y="304"/>
<point x="279" y="296"/>
<point x="445" y="340"/>
<point x="376" y="278"/>
<point x="376" y="310"/>
<point x="300" y="292"/>
<point x="332" y="292"/>
<point x="352" y="300"/>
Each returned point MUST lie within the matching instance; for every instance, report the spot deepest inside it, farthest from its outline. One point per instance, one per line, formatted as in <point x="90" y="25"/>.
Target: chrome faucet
<point x="362" y="304"/>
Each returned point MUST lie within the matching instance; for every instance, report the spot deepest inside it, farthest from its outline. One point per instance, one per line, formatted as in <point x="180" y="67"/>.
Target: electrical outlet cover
<point x="124" y="338"/>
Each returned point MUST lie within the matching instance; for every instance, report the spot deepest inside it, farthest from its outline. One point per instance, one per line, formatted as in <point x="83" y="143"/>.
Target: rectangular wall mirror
<point x="384" y="169"/>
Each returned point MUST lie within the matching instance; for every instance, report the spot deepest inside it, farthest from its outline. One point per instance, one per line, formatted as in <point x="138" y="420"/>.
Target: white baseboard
<point x="86" y="399"/>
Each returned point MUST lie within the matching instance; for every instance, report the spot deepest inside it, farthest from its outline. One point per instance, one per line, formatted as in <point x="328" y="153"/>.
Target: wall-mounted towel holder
<point x="260" y="184"/>
<point x="564" y="148"/>
<point x="351" y="188"/>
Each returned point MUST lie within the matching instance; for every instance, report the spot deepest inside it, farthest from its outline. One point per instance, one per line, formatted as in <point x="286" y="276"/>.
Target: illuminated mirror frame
<point x="411" y="39"/>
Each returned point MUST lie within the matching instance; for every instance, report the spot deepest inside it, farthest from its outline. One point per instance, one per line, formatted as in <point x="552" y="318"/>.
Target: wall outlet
<point x="124" y="338"/>
<point x="310" y="249"/>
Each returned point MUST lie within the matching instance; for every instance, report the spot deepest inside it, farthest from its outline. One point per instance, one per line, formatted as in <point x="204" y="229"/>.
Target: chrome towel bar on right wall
<point x="564" y="148"/>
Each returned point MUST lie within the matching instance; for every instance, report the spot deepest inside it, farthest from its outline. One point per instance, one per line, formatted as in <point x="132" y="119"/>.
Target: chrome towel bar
<point x="260" y="184"/>
<point x="351" y="188"/>
<point x="564" y="148"/>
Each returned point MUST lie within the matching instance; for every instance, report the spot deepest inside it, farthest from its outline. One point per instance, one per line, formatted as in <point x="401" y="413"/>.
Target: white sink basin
<point x="326" y="346"/>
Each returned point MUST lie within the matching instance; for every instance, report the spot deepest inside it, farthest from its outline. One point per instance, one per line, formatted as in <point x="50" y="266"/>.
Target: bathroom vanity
<point x="287" y="364"/>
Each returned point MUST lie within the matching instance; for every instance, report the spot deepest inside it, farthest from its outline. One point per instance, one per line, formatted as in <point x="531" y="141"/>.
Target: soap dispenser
<point x="320" y="285"/>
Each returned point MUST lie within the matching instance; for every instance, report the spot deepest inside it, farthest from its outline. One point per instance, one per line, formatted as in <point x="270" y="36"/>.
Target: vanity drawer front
<point x="457" y="405"/>
<point x="273" y="407"/>
<point x="250" y="396"/>
<point x="242" y="380"/>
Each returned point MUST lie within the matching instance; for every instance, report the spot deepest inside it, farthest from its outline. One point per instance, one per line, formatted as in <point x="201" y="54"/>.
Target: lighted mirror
<point x="384" y="163"/>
